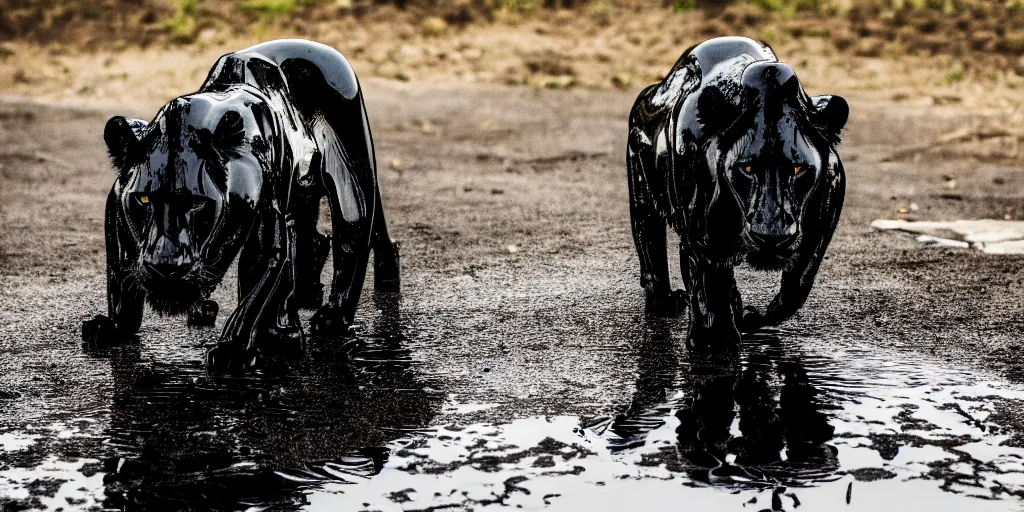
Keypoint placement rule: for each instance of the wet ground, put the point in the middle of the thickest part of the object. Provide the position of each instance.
(517, 369)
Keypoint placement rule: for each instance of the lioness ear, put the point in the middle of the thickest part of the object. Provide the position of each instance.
(833, 112)
(121, 140)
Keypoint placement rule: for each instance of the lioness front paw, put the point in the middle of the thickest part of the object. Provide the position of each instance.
(751, 319)
(387, 268)
(273, 348)
(229, 357)
(330, 321)
(669, 305)
(100, 332)
(721, 338)
(204, 315)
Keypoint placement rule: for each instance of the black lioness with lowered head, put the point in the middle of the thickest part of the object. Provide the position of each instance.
(238, 169)
(731, 152)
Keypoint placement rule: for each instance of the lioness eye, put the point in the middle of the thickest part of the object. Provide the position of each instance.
(798, 170)
(143, 199)
(748, 169)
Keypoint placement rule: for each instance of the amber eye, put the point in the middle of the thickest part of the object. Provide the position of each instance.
(797, 171)
(144, 199)
(748, 169)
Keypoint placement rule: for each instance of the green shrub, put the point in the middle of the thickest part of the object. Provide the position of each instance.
(183, 25)
(522, 5)
(791, 7)
(273, 8)
(955, 76)
(686, 5)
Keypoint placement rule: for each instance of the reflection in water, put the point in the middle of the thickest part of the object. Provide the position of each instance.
(791, 423)
(756, 423)
(181, 437)
(794, 421)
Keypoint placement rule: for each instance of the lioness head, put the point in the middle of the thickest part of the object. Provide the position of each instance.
(187, 185)
(774, 150)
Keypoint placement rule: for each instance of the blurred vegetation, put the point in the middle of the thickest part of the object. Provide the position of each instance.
(868, 28)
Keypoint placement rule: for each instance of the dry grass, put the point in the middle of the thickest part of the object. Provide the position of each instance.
(939, 51)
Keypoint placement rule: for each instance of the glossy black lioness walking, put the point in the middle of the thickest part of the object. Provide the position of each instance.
(239, 168)
(731, 152)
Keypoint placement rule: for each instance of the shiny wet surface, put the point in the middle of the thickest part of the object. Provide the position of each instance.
(366, 423)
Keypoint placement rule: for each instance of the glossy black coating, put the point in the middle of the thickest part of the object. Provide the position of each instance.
(238, 168)
(731, 152)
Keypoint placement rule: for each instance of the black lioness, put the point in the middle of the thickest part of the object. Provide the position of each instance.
(239, 168)
(731, 152)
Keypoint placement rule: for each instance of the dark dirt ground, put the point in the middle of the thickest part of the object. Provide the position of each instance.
(520, 290)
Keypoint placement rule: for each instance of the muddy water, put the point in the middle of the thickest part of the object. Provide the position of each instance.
(794, 421)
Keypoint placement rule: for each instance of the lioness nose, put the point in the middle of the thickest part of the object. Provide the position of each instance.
(772, 241)
(165, 270)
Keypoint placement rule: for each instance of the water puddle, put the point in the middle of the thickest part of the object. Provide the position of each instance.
(795, 422)
(820, 430)
(986, 235)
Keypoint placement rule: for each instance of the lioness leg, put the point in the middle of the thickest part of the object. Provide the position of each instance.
(265, 321)
(649, 238)
(351, 254)
(711, 286)
(125, 298)
(793, 291)
(351, 220)
(312, 250)
(386, 267)
(737, 306)
(350, 180)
